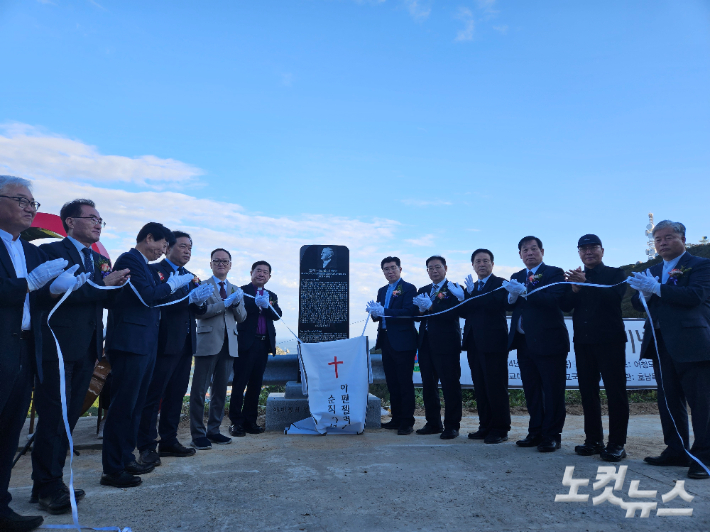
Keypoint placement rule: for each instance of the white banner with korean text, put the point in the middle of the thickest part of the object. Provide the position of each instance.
(639, 373)
(335, 376)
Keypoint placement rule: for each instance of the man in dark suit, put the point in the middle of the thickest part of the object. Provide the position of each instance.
(78, 326)
(397, 338)
(257, 338)
(131, 348)
(28, 280)
(176, 345)
(439, 350)
(677, 292)
(599, 348)
(485, 340)
(539, 334)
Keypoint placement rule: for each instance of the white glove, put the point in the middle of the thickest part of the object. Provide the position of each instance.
(455, 289)
(201, 294)
(66, 281)
(262, 301)
(44, 273)
(469, 284)
(514, 288)
(377, 310)
(645, 283)
(178, 281)
(237, 295)
(423, 302)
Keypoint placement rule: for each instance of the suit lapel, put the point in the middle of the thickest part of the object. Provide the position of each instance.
(7, 262)
(74, 254)
(149, 273)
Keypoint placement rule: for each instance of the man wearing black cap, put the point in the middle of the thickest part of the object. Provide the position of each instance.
(600, 348)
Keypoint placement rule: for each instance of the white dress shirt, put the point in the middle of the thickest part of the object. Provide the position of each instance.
(17, 256)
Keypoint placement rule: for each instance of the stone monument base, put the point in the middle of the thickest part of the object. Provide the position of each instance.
(282, 409)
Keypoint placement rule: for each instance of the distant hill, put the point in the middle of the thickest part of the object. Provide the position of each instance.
(700, 250)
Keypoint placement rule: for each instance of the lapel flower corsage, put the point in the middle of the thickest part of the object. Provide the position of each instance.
(442, 294)
(397, 291)
(534, 279)
(162, 277)
(104, 267)
(676, 273)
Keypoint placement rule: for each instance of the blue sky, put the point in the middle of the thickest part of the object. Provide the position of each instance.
(395, 126)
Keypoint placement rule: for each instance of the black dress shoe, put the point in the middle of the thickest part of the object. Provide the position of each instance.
(495, 438)
(136, 468)
(120, 480)
(176, 449)
(15, 521)
(549, 446)
(529, 441)
(78, 494)
(403, 431)
(613, 453)
(589, 448)
(56, 503)
(478, 435)
(254, 429)
(449, 434)
(237, 431)
(428, 429)
(668, 458)
(391, 425)
(697, 472)
(149, 457)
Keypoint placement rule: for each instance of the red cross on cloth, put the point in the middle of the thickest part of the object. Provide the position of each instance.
(335, 363)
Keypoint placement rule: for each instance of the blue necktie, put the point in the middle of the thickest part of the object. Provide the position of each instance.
(481, 284)
(88, 265)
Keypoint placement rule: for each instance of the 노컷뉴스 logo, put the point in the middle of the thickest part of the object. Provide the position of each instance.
(607, 474)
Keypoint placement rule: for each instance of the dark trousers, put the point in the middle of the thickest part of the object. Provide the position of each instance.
(684, 383)
(249, 369)
(447, 369)
(13, 413)
(544, 380)
(609, 362)
(51, 444)
(168, 385)
(489, 372)
(399, 369)
(131, 375)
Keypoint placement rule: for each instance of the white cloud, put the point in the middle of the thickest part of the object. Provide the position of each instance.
(501, 29)
(30, 152)
(487, 6)
(425, 203)
(418, 9)
(426, 240)
(466, 16)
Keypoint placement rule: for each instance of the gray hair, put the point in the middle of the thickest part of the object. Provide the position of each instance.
(10, 180)
(677, 227)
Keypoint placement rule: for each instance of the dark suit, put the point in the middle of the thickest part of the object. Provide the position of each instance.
(681, 317)
(542, 350)
(439, 351)
(249, 366)
(177, 342)
(78, 326)
(131, 347)
(485, 339)
(398, 342)
(600, 351)
(20, 356)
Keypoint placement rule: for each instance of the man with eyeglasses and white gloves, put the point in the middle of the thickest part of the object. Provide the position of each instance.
(29, 282)
(439, 350)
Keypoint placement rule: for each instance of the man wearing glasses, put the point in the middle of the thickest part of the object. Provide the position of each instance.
(439, 350)
(78, 326)
(28, 282)
(599, 349)
(217, 347)
(398, 340)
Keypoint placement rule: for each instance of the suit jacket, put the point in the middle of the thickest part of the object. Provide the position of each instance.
(247, 328)
(401, 332)
(211, 325)
(597, 311)
(12, 302)
(132, 326)
(486, 326)
(543, 322)
(176, 321)
(443, 332)
(682, 311)
(79, 322)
